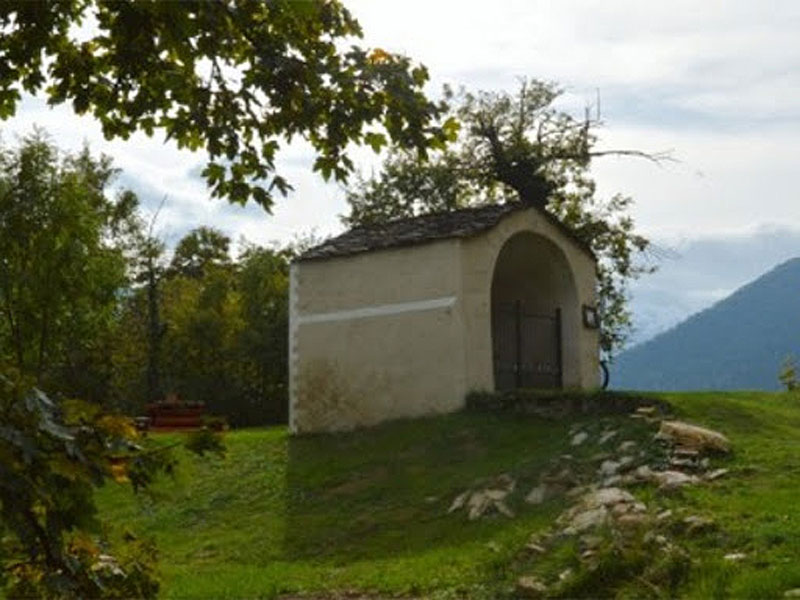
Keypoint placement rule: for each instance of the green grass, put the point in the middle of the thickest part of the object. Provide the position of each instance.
(757, 507)
(367, 511)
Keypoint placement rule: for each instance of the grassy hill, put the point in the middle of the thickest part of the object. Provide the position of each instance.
(367, 511)
(739, 343)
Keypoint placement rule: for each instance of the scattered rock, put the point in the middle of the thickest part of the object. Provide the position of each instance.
(716, 474)
(607, 497)
(686, 452)
(606, 436)
(662, 540)
(587, 519)
(496, 494)
(692, 437)
(604, 501)
(477, 504)
(625, 461)
(632, 521)
(795, 593)
(609, 467)
(538, 494)
(529, 586)
(564, 477)
(625, 508)
(735, 556)
(591, 541)
(672, 480)
(620, 509)
(695, 524)
(595, 508)
(480, 503)
(682, 463)
(459, 502)
(565, 574)
(579, 438)
(579, 490)
(502, 508)
(535, 548)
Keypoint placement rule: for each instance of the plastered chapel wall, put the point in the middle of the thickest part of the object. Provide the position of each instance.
(375, 336)
(406, 331)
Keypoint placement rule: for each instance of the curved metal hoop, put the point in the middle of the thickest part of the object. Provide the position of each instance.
(606, 376)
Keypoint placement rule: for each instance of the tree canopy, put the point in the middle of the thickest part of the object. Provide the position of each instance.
(201, 249)
(519, 147)
(235, 78)
(60, 265)
(92, 305)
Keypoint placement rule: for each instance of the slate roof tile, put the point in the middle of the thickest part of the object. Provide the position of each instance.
(424, 228)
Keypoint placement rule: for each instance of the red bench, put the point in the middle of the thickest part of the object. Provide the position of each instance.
(172, 416)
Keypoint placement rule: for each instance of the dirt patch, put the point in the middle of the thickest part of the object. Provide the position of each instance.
(359, 483)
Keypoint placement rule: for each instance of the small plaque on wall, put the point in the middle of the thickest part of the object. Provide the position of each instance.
(591, 319)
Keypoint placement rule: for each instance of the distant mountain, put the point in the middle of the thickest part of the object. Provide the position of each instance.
(738, 343)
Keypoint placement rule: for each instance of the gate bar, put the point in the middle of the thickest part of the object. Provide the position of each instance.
(518, 357)
(559, 361)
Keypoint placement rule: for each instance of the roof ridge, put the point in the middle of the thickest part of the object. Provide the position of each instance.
(516, 204)
(428, 227)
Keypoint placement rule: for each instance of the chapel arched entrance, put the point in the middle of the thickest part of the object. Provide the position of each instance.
(532, 290)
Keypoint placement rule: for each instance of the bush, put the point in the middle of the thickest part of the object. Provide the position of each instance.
(788, 374)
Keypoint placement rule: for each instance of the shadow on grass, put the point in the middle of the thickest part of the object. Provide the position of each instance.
(386, 491)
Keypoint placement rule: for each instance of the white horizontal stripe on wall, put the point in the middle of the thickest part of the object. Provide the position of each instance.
(377, 311)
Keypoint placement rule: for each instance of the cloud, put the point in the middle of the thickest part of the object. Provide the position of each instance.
(702, 270)
(716, 81)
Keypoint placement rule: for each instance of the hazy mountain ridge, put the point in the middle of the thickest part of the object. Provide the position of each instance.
(738, 343)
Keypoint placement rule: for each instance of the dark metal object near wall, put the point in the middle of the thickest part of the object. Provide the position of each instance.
(527, 348)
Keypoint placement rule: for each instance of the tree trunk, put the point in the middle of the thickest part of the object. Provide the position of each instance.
(154, 331)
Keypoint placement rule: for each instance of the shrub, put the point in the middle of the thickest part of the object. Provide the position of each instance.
(559, 403)
(788, 373)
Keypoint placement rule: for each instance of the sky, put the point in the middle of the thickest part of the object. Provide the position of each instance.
(716, 83)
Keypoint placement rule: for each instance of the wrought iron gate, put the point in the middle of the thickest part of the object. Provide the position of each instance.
(527, 348)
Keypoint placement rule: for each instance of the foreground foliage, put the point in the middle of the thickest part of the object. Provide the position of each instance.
(53, 455)
(367, 511)
(233, 78)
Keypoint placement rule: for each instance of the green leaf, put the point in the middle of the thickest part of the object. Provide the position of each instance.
(375, 140)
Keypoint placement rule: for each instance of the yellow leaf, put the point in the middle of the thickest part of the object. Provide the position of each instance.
(378, 56)
(120, 426)
(83, 544)
(119, 472)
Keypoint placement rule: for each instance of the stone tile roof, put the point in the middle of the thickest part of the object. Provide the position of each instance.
(424, 228)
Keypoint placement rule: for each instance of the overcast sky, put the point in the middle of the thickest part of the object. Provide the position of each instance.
(716, 82)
